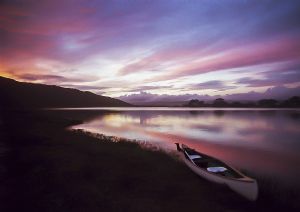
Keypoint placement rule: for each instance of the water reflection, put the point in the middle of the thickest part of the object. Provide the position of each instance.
(263, 142)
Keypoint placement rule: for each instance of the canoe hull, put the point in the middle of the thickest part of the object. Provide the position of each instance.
(245, 186)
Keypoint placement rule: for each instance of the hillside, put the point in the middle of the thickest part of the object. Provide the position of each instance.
(14, 94)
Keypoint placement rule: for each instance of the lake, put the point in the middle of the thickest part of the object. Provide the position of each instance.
(264, 142)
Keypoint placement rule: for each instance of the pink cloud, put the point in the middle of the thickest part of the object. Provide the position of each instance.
(180, 35)
(285, 49)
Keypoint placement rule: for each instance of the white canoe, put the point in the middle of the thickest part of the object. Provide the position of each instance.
(217, 171)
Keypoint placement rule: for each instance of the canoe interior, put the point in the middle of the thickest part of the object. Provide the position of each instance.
(206, 162)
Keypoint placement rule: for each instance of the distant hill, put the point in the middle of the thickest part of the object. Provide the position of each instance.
(149, 99)
(14, 94)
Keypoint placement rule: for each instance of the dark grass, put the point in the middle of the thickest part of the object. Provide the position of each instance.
(280, 196)
(53, 169)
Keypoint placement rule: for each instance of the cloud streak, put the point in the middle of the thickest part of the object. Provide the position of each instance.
(160, 45)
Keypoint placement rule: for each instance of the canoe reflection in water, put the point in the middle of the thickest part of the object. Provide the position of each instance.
(217, 171)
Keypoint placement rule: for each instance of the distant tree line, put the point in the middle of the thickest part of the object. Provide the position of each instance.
(292, 102)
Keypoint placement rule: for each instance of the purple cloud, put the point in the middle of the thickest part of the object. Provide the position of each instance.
(272, 79)
(163, 40)
(213, 84)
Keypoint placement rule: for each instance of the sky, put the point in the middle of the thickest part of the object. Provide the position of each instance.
(175, 47)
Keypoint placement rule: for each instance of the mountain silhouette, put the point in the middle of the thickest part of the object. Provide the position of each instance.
(14, 94)
(148, 99)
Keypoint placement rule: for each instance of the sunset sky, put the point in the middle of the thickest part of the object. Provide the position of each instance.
(174, 47)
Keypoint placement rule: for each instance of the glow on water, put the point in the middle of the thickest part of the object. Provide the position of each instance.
(263, 141)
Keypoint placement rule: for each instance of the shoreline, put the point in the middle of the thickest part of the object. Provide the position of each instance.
(51, 168)
(179, 108)
(116, 139)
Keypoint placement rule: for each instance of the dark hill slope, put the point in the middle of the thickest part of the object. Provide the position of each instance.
(14, 94)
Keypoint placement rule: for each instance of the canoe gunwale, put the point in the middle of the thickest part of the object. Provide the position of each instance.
(244, 178)
(245, 186)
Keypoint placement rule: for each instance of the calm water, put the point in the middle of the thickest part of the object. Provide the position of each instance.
(262, 142)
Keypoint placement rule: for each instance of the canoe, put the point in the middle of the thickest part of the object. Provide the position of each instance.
(217, 171)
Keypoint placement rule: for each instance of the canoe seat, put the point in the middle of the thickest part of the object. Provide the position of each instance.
(192, 157)
(216, 169)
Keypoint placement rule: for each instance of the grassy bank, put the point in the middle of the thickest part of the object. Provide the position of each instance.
(49, 168)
